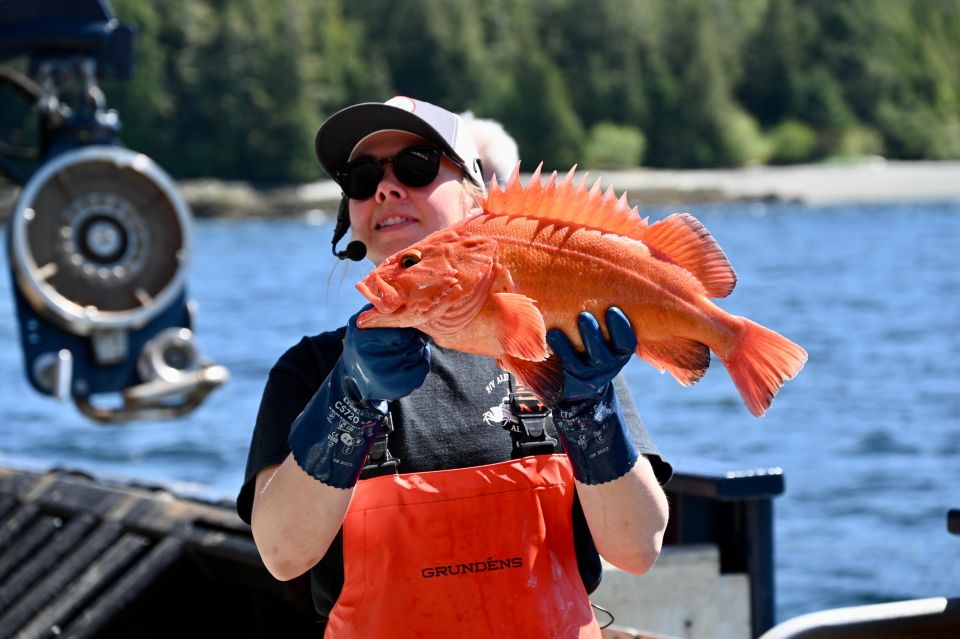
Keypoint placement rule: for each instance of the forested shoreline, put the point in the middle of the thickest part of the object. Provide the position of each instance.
(235, 89)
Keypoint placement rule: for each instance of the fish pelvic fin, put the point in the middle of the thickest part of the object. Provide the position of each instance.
(681, 239)
(760, 363)
(685, 359)
(520, 328)
(544, 379)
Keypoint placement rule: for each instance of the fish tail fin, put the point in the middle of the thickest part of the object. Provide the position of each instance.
(760, 364)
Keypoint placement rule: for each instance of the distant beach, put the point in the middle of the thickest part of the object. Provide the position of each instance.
(867, 180)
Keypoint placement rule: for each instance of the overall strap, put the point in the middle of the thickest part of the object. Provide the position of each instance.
(525, 417)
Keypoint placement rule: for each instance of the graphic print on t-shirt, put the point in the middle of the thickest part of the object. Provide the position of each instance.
(499, 387)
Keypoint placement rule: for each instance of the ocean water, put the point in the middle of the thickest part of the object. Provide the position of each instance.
(868, 435)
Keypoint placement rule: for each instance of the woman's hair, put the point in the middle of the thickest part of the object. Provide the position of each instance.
(497, 148)
(472, 195)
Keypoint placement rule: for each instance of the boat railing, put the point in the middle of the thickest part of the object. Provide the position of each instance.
(929, 618)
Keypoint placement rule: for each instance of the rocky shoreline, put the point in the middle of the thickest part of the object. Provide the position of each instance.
(869, 180)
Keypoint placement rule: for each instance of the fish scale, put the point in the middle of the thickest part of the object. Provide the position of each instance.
(587, 253)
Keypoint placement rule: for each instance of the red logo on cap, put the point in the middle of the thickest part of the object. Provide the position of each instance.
(402, 102)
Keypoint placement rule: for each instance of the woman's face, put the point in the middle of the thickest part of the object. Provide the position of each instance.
(398, 215)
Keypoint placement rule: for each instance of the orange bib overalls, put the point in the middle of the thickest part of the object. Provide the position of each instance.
(476, 552)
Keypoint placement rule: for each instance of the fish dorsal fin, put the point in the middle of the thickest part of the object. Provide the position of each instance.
(565, 203)
(682, 240)
(679, 239)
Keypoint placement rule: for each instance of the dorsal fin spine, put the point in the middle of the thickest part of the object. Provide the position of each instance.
(588, 204)
(551, 182)
(578, 203)
(494, 200)
(514, 179)
(531, 201)
(567, 203)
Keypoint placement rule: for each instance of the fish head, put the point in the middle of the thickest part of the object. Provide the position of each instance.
(425, 281)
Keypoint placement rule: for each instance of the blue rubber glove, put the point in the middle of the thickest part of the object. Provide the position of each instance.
(588, 418)
(585, 374)
(384, 363)
(332, 437)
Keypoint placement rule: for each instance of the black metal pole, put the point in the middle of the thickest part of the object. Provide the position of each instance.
(760, 558)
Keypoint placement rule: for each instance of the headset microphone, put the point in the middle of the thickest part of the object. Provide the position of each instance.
(356, 251)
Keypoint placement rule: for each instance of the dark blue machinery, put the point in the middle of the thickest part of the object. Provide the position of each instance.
(99, 237)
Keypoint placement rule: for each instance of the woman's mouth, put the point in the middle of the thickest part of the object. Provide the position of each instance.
(394, 221)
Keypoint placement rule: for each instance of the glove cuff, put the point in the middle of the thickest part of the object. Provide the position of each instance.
(595, 437)
(332, 437)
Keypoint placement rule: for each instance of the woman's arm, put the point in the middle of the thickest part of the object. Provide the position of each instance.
(622, 500)
(627, 517)
(299, 506)
(295, 518)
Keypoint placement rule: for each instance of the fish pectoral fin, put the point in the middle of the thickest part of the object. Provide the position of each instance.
(685, 359)
(520, 328)
(681, 239)
(543, 379)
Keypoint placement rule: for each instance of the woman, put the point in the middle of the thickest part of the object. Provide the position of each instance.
(474, 520)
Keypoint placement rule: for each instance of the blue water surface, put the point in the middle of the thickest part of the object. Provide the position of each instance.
(868, 435)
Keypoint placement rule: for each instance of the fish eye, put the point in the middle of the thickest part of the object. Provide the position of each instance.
(409, 259)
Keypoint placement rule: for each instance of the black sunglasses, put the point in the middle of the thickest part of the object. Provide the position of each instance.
(414, 166)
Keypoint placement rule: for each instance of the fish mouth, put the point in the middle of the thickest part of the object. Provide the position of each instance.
(385, 298)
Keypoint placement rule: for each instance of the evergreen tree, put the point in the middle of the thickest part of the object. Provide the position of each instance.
(237, 88)
(540, 116)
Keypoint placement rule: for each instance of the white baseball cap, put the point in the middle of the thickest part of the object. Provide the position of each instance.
(339, 136)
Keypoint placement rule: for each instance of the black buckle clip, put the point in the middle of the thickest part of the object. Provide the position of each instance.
(380, 461)
(525, 417)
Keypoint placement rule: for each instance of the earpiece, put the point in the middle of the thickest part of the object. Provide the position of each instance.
(356, 250)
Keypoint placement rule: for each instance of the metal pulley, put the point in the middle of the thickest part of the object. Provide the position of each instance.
(100, 240)
(99, 244)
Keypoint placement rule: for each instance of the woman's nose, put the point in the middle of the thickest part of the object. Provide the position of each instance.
(389, 186)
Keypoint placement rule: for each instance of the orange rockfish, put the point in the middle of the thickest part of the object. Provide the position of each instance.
(535, 257)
